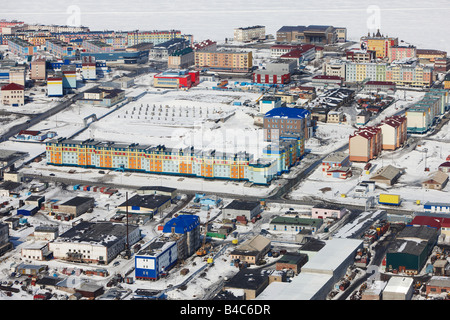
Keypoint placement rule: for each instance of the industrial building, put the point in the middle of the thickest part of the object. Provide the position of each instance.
(319, 275)
(149, 204)
(94, 242)
(248, 209)
(398, 288)
(155, 259)
(411, 248)
(176, 79)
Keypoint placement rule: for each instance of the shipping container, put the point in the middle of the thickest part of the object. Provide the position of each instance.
(389, 199)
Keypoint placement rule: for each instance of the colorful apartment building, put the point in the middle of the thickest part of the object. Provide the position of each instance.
(176, 79)
(402, 53)
(365, 144)
(17, 75)
(359, 72)
(378, 43)
(96, 46)
(89, 68)
(393, 131)
(227, 61)
(160, 159)
(410, 75)
(422, 115)
(60, 48)
(21, 47)
(156, 37)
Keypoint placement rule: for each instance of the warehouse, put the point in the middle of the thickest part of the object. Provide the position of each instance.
(248, 209)
(75, 206)
(27, 210)
(251, 282)
(149, 204)
(398, 288)
(318, 275)
(252, 250)
(92, 242)
(409, 251)
(387, 175)
(437, 207)
(155, 259)
(292, 261)
(165, 191)
(437, 181)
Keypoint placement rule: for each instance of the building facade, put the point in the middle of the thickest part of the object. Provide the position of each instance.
(365, 144)
(249, 33)
(231, 61)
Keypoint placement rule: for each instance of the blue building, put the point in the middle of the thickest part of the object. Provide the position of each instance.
(153, 261)
(437, 207)
(187, 226)
(124, 57)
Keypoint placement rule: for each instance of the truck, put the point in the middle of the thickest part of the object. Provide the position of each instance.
(389, 199)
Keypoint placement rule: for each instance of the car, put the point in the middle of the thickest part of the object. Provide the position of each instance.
(52, 174)
(115, 264)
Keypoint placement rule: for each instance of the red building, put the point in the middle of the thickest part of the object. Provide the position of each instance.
(176, 79)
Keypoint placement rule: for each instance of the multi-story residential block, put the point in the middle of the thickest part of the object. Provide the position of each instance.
(96, 46)
(393, 131)
(429, 55)
(13, 94)
(359, 72)
(55, 86)
(69, 77)
(59, 48)
(335, 68)
(38, 68)
(358, 55)
(231, 61)
(181, 59)
(89, 68)
(397, 53)
(365, 144)
(165, 49)
(156, 37)
(422, 115)
(308, 34)
(379, 43)
(176, 79)
(306, 51)
(249, 34)
(160, 159)
(283, 121)
(442, 65)
(341, 34)
(328, 81)
(206, 45)
(17, 75)
(410, 75)
(21, 47)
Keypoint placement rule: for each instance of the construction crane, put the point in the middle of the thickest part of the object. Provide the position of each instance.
(202, 250)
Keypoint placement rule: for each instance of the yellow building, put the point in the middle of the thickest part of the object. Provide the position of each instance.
(378, 43)
(224, 60)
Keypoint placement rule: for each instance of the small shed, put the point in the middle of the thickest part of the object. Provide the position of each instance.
(90, 290)
(387, 175)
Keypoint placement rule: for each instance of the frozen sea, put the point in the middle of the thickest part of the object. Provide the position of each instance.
(422, 23)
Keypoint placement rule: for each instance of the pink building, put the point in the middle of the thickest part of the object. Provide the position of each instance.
(402, 52)
(393, 131)
(321, 212)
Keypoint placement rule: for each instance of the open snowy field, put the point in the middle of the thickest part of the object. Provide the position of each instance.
(184, 118)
